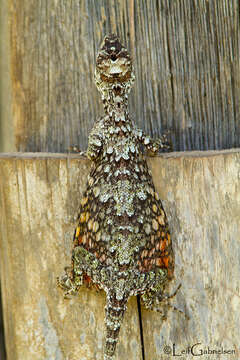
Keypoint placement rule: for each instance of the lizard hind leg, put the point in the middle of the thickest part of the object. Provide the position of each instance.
(114, 313)
(158, 301)
(69, 283)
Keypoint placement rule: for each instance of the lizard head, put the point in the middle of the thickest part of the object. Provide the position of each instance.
(114, 64)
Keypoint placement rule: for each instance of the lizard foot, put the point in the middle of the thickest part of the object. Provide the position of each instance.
(69, 284)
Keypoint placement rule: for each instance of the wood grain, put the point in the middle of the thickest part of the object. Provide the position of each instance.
(201, 194)
(40, 196)
(186, 57)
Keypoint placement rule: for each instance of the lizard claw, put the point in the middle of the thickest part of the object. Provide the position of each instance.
(76, 149)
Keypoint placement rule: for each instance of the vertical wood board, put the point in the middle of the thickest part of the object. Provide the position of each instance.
(39, 198)
(186, 58)
(201, 195)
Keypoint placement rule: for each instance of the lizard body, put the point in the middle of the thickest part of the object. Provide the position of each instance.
(122, 242)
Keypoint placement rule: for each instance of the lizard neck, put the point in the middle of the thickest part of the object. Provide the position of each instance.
(116, 105)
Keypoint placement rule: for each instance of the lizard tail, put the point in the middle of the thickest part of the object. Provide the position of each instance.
(114, 312)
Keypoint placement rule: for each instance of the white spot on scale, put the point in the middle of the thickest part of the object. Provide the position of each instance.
(110, 150)
(115, 70)
(146, 140)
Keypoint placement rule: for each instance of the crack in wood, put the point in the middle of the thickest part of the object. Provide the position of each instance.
(141, 326)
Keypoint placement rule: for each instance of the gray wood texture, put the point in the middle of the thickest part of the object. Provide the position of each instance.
(186, 57)
(39, 196)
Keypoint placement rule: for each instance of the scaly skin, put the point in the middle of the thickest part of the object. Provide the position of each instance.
(122, 242)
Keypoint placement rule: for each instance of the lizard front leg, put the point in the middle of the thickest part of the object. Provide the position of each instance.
(95, 141)
(153, 146)
(76, 149)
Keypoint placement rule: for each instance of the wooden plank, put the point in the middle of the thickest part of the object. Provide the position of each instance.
(201, 193)
(6, 124)
(186, 57)
(2, 340)
(39, 199)
(6, 117)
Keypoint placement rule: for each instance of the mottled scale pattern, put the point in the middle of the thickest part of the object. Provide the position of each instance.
(122, 242)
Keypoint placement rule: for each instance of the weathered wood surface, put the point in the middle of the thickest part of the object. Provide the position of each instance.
(201, 194)
(6, 120)
(186, 56)
(39, 197)
(6, 124)
(2, 340)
